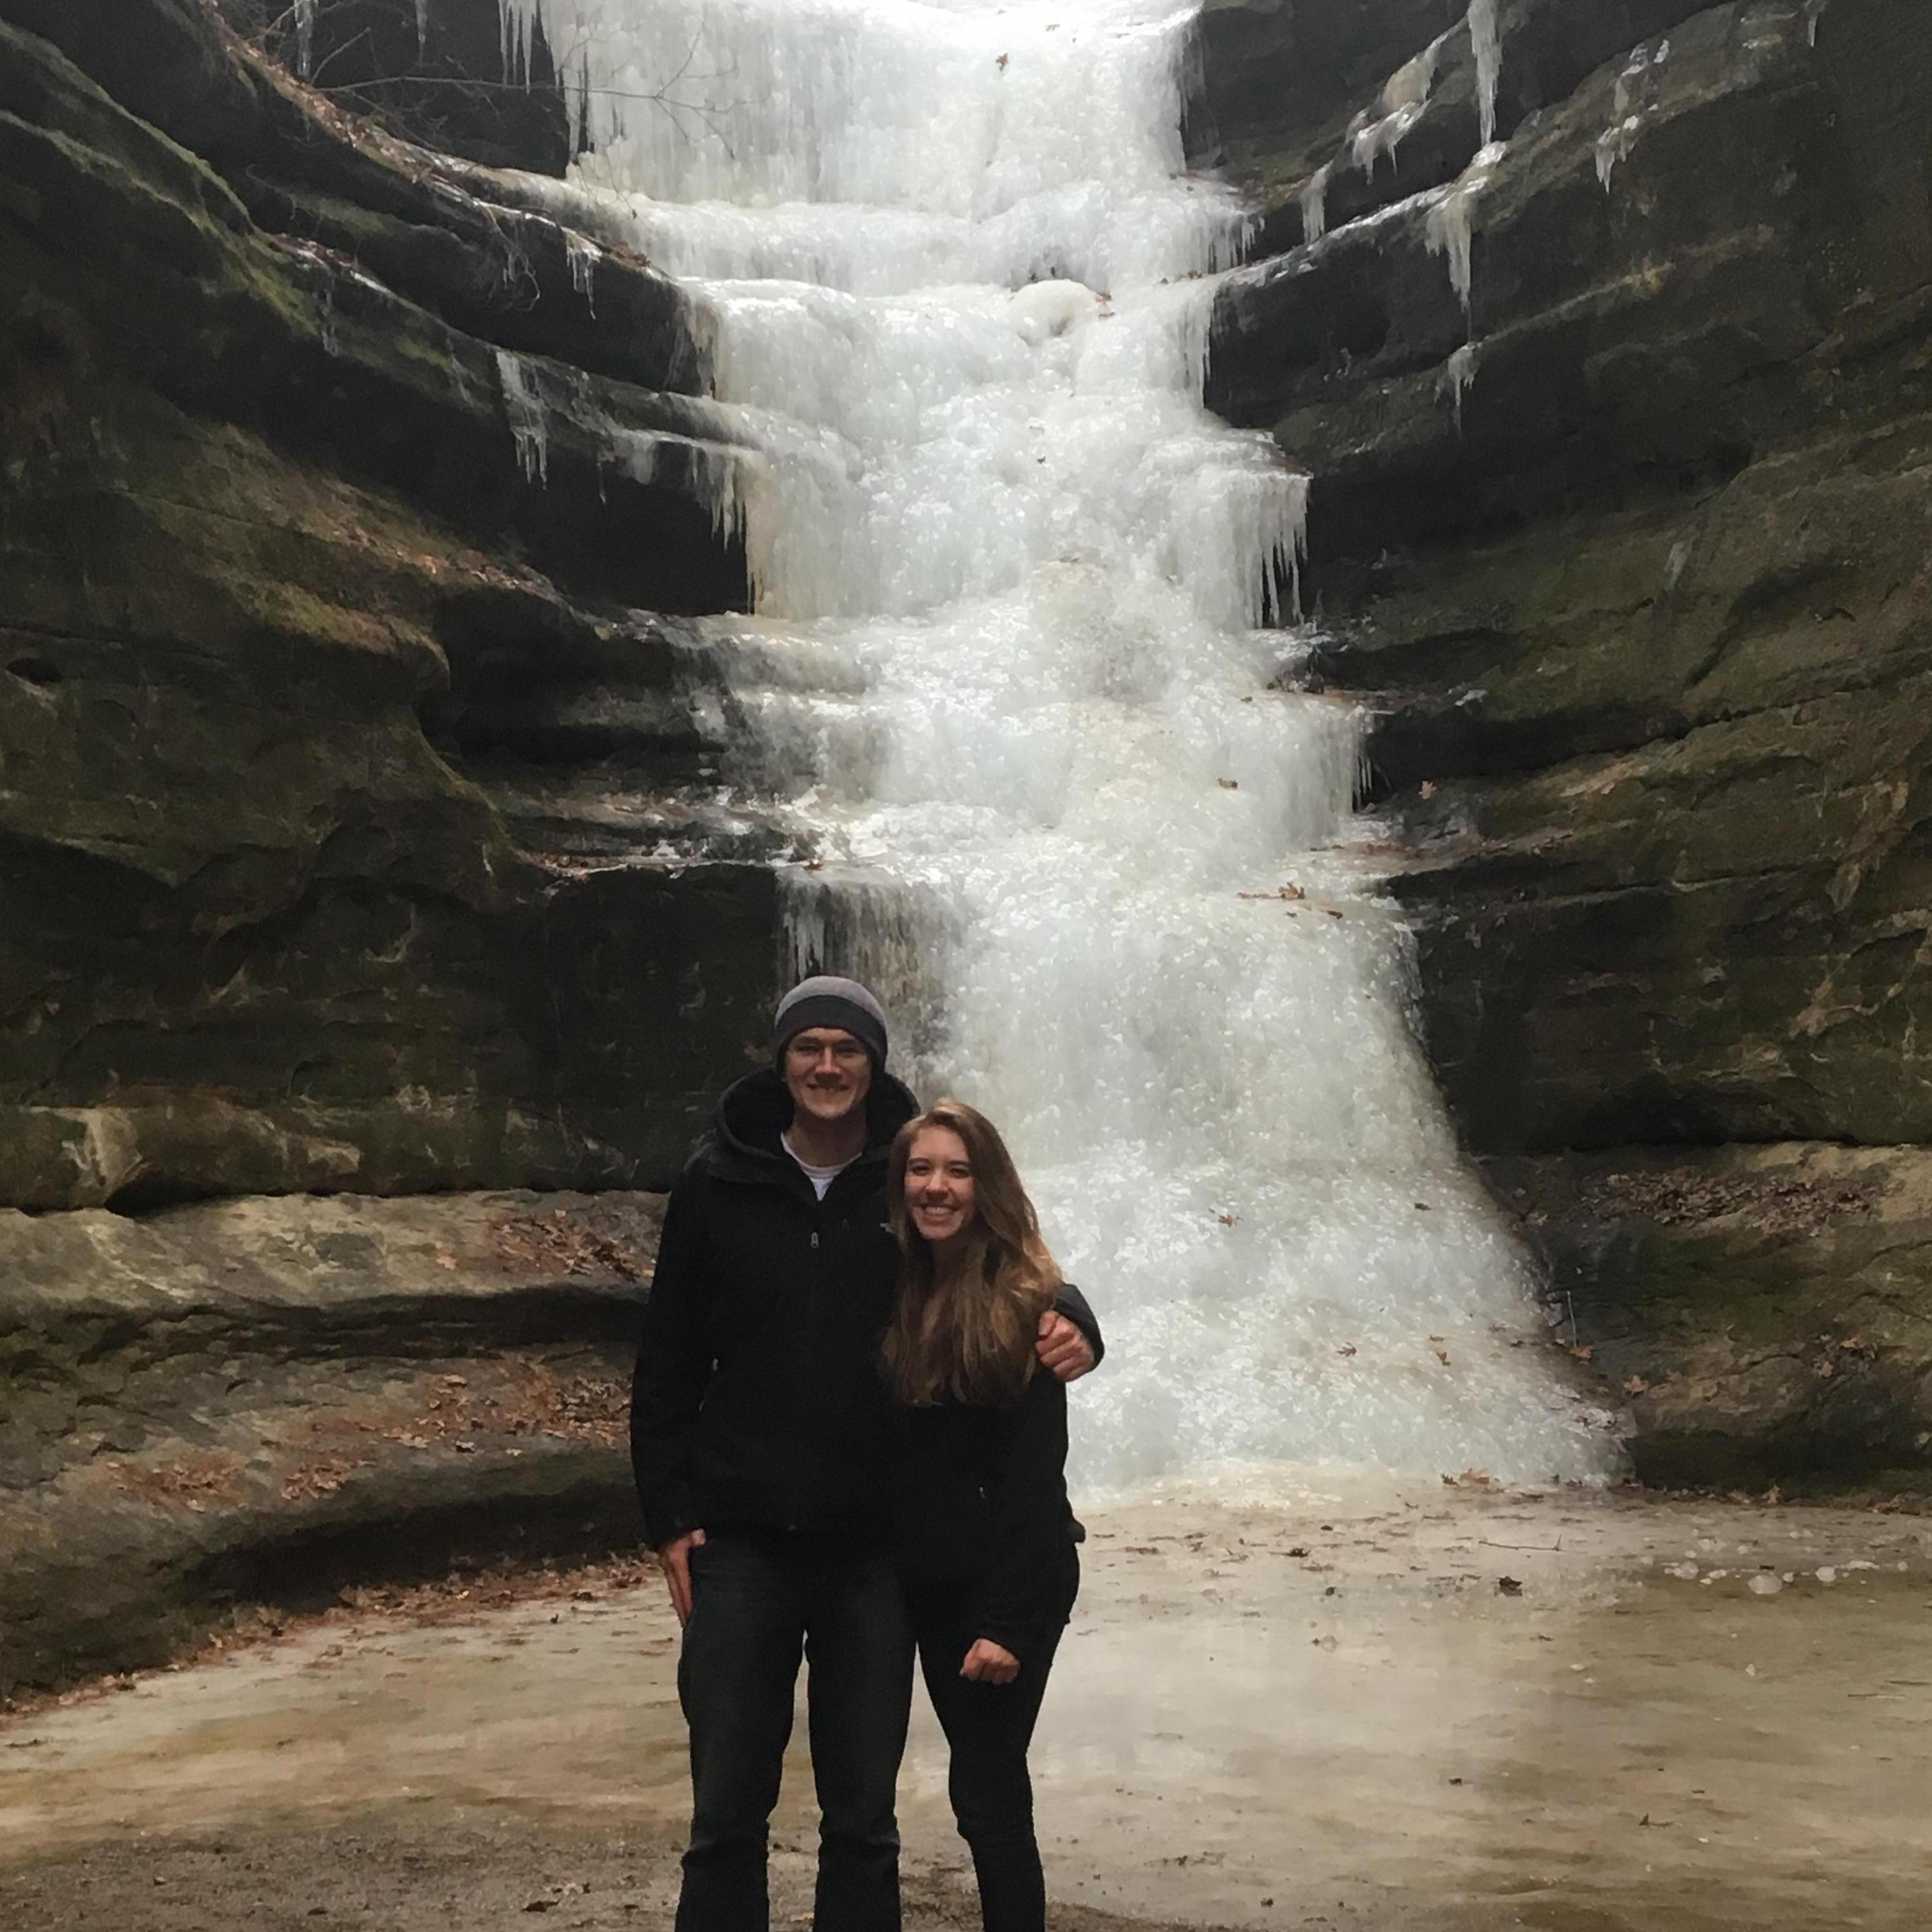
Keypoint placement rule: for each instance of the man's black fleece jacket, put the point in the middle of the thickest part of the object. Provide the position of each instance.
(757, 1402)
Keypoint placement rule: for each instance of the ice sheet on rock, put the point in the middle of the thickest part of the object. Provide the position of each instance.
(886, 102)
(1010, 681)
(1085, 232)
(950, 443)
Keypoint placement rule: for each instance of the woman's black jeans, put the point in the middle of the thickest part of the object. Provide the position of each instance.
(987, 1728)
(757, 1603)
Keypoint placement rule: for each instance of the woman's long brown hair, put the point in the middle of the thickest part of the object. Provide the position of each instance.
(975, 1342)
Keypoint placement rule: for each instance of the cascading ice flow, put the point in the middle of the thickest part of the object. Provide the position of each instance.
(1008, 675)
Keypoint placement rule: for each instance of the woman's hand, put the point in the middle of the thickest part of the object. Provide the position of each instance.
(989, 1663)
(1062, 1350)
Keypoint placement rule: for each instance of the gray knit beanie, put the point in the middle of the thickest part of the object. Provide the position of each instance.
(826, 1001)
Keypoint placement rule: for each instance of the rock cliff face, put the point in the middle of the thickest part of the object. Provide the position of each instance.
(313, 453)
(440, 74)
(350, 516)
(1620, 434)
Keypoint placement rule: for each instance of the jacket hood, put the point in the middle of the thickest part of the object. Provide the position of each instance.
(754, 1112)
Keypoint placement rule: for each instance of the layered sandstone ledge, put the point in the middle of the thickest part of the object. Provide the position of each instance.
(261, 1401)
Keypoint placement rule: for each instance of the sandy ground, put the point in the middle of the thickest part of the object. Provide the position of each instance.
(1428, 1709)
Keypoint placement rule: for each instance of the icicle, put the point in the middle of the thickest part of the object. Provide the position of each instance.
(1613, 145)
(1404, 96)
(1412, 84)
(422, 28)
(724, 477)
(1369, 144)
(1458, 373)
(1314, 205)
(304, 37)
(584, 255)
(1281, 602)
(1485, 43)
(1636, 90)
(524, 410)
(520, 21)
(1448, 230)
(1814, 12)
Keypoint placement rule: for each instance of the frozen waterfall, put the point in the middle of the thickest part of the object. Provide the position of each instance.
(1054, 789)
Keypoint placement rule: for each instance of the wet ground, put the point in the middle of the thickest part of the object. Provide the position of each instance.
(1430, 1710)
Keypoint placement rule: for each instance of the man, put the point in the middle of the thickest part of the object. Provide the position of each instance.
(758, 1433)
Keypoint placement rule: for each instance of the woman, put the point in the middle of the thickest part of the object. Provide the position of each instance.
(984, 1539)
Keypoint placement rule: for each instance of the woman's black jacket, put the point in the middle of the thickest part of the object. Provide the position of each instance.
(757, 1401)
(983, 1532)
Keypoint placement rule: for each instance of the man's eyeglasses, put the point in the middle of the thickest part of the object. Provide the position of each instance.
(808, 1052)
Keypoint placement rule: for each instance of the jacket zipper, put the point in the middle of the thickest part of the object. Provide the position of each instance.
(813, 1312)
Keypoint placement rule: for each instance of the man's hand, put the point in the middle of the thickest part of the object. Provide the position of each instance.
(675, 1558)
(1064, 1349)
(989, 1663)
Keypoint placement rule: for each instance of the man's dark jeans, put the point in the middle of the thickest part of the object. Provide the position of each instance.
(757, 1603)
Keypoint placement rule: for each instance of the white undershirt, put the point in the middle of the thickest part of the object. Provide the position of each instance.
(820, 1177)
